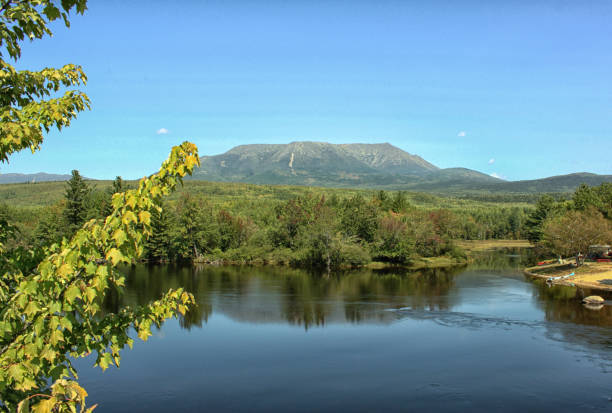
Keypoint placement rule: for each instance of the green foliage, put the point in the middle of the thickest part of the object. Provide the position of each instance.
(545, 208)
(76, 195)
(51, 227)
(567, 228)
(238, 223)
(359, 218)
(160, 246)
(574, 231)
(53, 312)
(50, 298)
(118, 185)
(598, 197)
(233, 231)
(399, 203)
(196, 228)
(394, 242)
(26, 106)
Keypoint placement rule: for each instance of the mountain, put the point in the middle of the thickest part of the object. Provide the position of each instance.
(314, 163)
(365, 165)
(381, 166)
(25, 178)
(559, 183)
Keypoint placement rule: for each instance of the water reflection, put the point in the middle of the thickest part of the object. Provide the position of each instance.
(298, 297)
(266, 294)
(482, 337)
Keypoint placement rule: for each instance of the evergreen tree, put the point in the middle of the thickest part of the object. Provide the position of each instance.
(160, 245)
(118, 185)
(76, 194)
(198, 232)
(400, 202)
(534, 223)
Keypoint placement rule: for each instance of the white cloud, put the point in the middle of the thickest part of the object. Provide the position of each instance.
(162, 131)
(491, 161)
(462, 134)
(496, 175)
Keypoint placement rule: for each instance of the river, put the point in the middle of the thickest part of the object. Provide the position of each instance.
(482, 338)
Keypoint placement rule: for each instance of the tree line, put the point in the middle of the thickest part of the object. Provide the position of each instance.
(568, 227)
(315, 230)
(305, 230)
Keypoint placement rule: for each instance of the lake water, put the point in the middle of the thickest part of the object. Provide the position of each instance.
(480, 338)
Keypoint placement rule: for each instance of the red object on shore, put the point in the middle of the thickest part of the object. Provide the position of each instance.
(604, 260)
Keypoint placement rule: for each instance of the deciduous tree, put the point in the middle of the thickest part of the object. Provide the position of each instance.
(573, 232)
(50, 303)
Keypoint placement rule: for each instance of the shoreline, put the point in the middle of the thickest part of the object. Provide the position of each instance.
(421, 263)
(469, 246)
(588, 276)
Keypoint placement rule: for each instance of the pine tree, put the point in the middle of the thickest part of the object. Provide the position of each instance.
(118, 185)
(76, 194)
(159, 246)
(544, 209)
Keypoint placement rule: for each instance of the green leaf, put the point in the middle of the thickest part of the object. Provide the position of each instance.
(56, 337)
(104, 361)
(72, 293)
(31, 308)
(24, 406)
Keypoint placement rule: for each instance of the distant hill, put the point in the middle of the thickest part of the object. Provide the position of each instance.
(25, 178)
(365, 165)
(559, 183)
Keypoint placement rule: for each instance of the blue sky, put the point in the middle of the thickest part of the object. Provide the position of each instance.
(521, 89)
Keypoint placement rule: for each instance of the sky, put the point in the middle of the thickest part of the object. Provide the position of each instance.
(515, 89)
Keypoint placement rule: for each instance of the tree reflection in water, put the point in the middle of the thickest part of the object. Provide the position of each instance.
(272, 294)
(298, 297)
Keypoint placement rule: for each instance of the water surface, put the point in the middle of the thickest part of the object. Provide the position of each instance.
(275, 339)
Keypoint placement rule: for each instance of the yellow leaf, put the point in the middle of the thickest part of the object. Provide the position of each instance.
(145, 217)
(119, 236)
(64, 270)
(114, 256)
(128, 217)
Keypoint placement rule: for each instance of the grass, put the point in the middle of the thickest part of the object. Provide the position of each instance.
(484, 245)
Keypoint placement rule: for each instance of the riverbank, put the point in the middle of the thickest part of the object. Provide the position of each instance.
(285, 258)
(491, 244)
(591, 275)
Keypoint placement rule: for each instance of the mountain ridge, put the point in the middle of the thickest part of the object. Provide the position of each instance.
(17, 178)
(379, 165)
(356, 165)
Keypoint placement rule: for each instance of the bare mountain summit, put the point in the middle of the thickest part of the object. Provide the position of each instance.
(317, 163)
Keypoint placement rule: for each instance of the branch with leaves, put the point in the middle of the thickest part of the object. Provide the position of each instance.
(56, 312)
